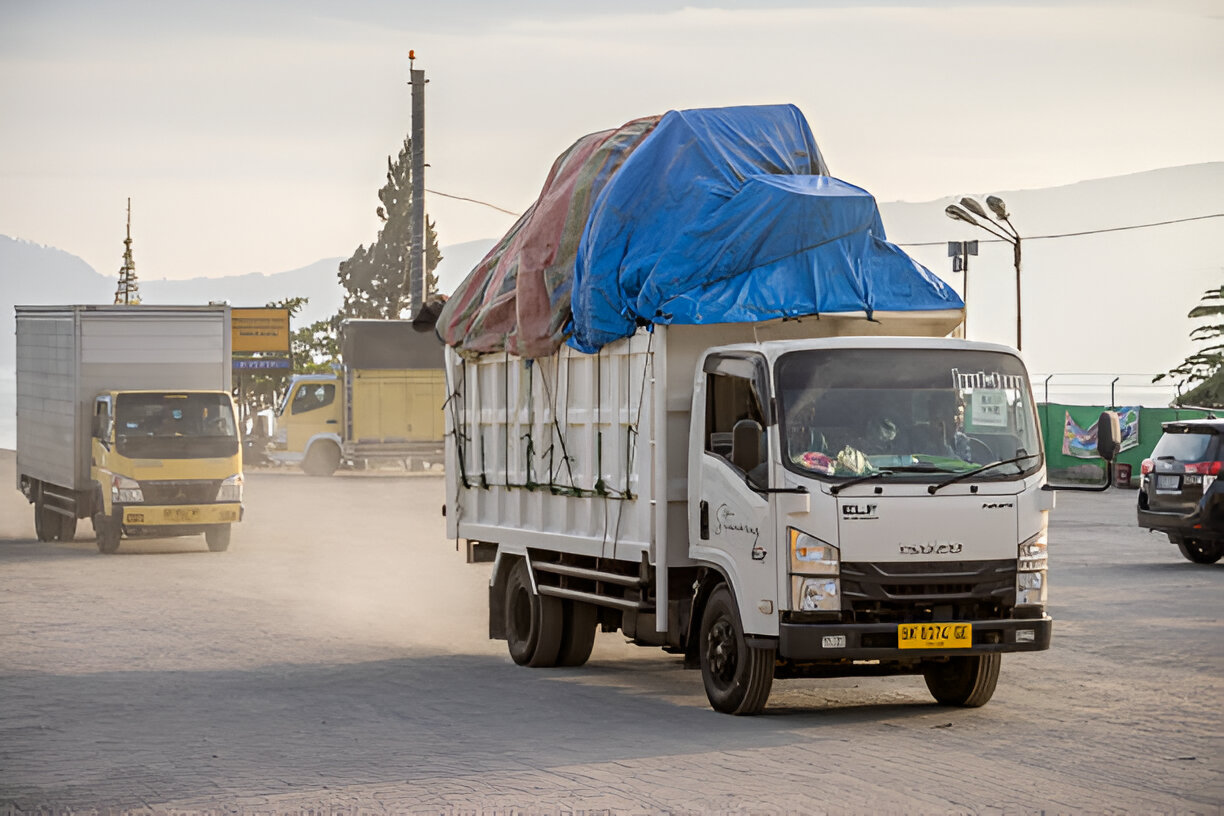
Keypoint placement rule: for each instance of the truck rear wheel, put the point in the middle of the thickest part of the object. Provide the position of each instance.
(46, 523)
(218, 538)
(963, 681)
(1200, 551)
(67, 527)
(737, 676)
(322, 459)
(534, 623)
(578, 633)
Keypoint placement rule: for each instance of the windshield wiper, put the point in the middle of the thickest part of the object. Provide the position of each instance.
(866, 477)
(962, 476)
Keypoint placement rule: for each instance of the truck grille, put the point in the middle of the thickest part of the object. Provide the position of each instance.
(195, 491)
(906, 592)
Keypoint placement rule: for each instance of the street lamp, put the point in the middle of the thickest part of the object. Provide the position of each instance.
(1001, 227)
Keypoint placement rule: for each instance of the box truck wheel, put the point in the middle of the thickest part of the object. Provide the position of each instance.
(218, 537)
(108, 533)
(322, 459)
(534, 623)
(46, 523)
(737, 676)
(963, 681)
(67, 527)
(578, 633)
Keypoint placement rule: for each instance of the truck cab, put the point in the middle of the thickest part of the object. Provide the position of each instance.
(165, 463)
(876, 503)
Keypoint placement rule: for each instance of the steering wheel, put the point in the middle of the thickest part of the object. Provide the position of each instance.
(977, 448)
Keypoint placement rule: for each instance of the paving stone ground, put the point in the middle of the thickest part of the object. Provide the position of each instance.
(335, 661)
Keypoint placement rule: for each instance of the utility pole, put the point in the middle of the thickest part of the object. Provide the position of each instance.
(128, 291)
(416, 259)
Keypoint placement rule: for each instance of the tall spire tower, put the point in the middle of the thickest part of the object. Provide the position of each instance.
(129, 290)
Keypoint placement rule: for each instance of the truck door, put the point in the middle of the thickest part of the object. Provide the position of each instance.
(731, 523)
(312, 409)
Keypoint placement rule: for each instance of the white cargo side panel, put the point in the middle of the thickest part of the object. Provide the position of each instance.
(555, 452)
(46, 397)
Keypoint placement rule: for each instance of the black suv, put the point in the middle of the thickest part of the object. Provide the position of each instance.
(1180, 495)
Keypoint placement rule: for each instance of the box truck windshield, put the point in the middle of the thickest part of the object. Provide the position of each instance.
(905, 413)
(175, 426)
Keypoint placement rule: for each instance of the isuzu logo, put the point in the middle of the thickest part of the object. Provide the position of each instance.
(932, 548)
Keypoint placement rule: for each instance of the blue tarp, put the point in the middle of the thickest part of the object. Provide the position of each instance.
(722, 215)
(727, 215)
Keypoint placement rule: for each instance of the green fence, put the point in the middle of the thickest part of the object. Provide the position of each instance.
(1064, 468)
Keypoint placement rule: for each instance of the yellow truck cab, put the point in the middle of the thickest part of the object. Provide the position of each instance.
(384, 403)
(124, 417)
(166, 464)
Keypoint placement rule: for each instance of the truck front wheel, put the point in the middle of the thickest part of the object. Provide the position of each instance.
(322, 459)
(963, 681)
(108, 532)
(534, 623)
(737, 676)
(218, 538)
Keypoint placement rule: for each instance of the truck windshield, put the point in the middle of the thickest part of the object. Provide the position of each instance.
(905, 413)
(175, 426)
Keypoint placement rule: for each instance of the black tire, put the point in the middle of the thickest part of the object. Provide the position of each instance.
(1200, 551)
(534, 623)
(67, 527)
(108, 532)
(737, 676)
(578, 633)
(218, 538)
(46, 522)
(967, 681)
(322, 459)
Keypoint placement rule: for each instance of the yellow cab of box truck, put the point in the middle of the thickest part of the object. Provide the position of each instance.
(167, 464)
(383, 404)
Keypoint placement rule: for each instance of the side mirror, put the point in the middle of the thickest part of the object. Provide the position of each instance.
(96, 427)
(1109, 436)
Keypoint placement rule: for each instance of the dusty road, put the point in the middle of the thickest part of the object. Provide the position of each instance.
(335, 661)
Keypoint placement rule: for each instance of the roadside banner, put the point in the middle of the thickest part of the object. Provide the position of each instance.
(1081, 442)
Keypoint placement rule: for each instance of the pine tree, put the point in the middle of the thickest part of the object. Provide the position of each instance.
(376, 280)
(1205, 366)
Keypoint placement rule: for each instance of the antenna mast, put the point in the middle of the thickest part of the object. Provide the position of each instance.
(128, 292)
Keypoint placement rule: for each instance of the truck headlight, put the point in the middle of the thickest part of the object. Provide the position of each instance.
(125, 490)
(1031, 588)
(230, 489)
(1033, 554)
(815, 567)
(811, 556)
(816, 593)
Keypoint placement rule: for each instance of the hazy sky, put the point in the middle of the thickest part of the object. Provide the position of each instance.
(252, 137)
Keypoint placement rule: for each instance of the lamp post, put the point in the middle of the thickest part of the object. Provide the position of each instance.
(1001, 227)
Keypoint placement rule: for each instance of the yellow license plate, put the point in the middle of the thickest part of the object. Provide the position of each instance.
(182, 514)
(934, 635)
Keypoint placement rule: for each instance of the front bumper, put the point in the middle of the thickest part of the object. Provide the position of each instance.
(878, 641)
(195, 515)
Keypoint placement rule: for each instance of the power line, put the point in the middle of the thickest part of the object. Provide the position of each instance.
(473, 200)
(1084, 232)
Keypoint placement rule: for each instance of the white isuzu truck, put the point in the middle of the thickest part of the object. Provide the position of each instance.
(771, 500)
(695, 396)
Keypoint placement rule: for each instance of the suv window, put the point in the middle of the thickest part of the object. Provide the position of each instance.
(1183, 447)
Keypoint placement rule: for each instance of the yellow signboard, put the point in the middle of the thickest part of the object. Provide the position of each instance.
(260, 330)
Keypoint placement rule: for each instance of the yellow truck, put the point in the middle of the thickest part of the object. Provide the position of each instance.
(384, 403)
(125, 417)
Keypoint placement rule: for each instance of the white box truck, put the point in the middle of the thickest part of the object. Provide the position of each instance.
(125, 417)
(786, 499)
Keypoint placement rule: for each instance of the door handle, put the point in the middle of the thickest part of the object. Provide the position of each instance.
(705, 520)
(330, 422)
